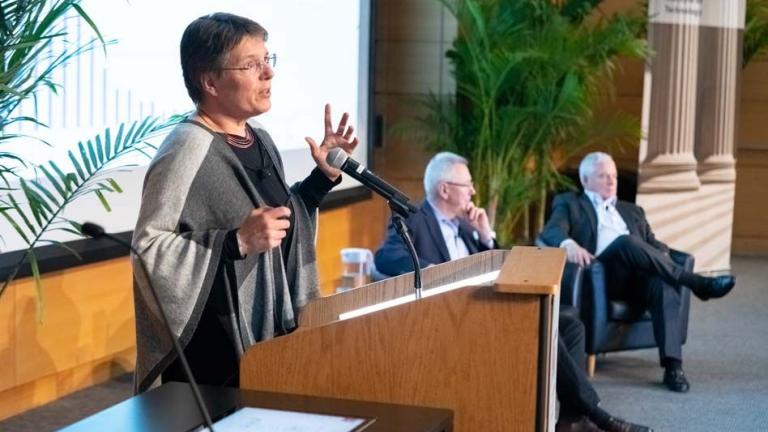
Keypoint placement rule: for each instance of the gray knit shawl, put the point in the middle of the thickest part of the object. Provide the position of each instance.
(195, 191)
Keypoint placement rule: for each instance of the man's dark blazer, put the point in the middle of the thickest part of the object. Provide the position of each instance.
(573, 216)
(392, 257)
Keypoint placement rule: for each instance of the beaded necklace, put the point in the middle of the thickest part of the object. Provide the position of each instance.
(232, 139)
(238, 141)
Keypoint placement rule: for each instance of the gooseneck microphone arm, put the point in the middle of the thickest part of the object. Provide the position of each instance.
(96, 231)
(398, 202)
(403, 231)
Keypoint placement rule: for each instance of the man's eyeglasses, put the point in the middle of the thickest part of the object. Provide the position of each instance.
(467, 185)
(257, 67)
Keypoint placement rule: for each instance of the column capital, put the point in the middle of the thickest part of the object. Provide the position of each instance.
(668, 172)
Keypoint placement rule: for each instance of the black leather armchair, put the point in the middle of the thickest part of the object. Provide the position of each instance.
(614, 325)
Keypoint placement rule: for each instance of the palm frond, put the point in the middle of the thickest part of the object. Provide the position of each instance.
(48, 195)
(27, 30)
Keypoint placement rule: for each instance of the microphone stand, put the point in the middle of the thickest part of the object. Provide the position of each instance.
(399, 221)
(176, 345)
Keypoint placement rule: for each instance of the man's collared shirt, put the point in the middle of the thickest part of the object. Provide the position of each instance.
(610, 224)
(450, 229)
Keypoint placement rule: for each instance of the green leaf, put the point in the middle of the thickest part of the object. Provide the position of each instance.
(99, 150)
(84, 158)
(95, 161)
(20, 119)
(119, 137)
(103, 200)
(22, 215)
(69, 179)
(33, 196)
(76, 165)
(129, 135)
(104, 187)
(5, 88)
(114, 185)
(55, 182)
(150, 145)
(38, 284)
(14, 224)
(107, 144)
(45, 192)
(144, 152)
(76, 226)
(36, 203)
(90, 22)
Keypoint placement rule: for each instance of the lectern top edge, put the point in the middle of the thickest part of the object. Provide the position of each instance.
(531, 270)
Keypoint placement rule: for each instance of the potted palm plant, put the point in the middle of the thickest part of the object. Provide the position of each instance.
(530, 76)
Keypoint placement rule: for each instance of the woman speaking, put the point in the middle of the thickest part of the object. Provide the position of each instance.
(229, 246)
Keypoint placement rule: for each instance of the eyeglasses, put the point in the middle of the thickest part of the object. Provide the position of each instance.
(257, 67)
(469, 184)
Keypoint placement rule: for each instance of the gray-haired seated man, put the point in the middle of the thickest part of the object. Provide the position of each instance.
(595, 225)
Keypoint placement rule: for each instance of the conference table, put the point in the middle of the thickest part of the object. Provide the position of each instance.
(171, 407)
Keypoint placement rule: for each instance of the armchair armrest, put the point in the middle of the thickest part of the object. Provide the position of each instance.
(594, 308)
(570, 285)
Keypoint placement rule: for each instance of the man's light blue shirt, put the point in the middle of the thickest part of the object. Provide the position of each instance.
(450, 229)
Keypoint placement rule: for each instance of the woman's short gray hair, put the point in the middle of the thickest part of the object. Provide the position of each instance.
(587, 165)
(438, 170)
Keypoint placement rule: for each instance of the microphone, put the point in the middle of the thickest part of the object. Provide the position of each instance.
(97, 231)
(339, 159)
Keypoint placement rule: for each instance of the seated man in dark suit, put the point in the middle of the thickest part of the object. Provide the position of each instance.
(449, 226)
(595, 225)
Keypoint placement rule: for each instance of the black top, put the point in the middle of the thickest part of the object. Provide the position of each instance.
(263, 174)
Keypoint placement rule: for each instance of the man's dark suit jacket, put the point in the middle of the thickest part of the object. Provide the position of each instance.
(573, 216)
(392, 258)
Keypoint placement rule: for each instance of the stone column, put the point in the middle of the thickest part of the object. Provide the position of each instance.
(696, 219)
(720, 38)
(667, 161)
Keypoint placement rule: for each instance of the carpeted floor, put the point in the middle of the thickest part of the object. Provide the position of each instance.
(726, 360)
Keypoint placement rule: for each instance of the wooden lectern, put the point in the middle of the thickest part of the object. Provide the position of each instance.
(484, 350)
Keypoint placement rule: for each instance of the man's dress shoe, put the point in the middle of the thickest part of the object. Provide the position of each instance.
(720, 286)
(674, 379)
(580, 424)
(615, 424)
(715, 287)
